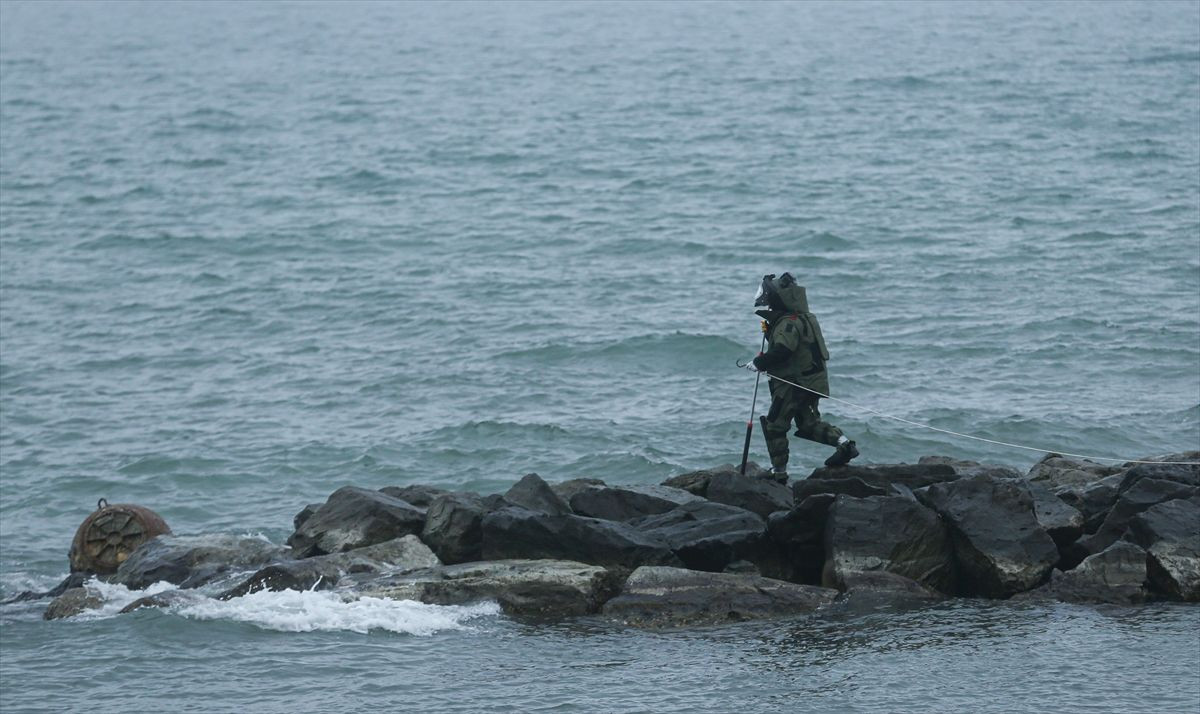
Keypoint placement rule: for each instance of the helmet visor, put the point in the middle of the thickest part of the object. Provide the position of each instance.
(763, 297)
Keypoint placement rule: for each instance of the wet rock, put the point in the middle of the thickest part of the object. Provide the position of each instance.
(999, 546)
(1057, 472)
(566, 489)
(626, 502)
(1141, 494)
(539, 588)
(454, 526)
(709, 536)
(417, 495)
(887, 533)
(758, 495)
(74, 580)
(1062, 522)
(305, 513)
(519, 533)
(1170, 532)
(1183, 474)
(876, 588)
(323, 572)
(970, 468)
(72, 602)
(913, 476)
(800, 532)
(193, 561)
(534, 494)
(169, 598)
(663, 597)
(696, 482)
(1117, 575)
(856, 487)
(1093, 500)
(355, 518)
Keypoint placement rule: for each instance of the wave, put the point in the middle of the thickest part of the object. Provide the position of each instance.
(1167, 57)
(646, 350)
(299, 611)
(1127, 155)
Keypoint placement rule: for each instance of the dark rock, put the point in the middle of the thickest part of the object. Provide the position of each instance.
(1183, 474)
(325, 571)
(519, 533)
(537, 588)
(658, 597)
(999, 546)
(742, 567)
(803, 524)
(876, 588)
(887, 533)
(355, 518)
(758, 495)
(1170, 532)
(709, 536)
(169, 598)
(74, 580)
(193, 561)
(72, 602)
(885, 475)
(1117, 575)
(566, 489)
(1059, 471)
(971, 468)
(1062, 522)
(696, 482)
(1093, 500)
(534, 494)
(416, 495)
(856, 487)
(454, 527)
(800, 532)
(626, 502)
(307, 512)
(1142, 494)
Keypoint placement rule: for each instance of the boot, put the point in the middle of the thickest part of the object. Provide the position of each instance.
(842, 456)
(779, 476)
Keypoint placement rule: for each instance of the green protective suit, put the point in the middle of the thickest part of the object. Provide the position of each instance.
(801, 360)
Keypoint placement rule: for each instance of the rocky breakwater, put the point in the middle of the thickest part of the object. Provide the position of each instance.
(715, 546)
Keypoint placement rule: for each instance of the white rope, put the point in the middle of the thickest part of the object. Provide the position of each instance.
(977, 438)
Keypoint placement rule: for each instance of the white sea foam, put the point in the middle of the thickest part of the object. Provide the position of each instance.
(300, 611)
(307, 611)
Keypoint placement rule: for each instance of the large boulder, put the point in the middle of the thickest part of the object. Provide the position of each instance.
(999, 546)
(193, 561)
(323, 572)
(658, 596)
(72, 602)
(534, 494)
(805, 487)
(1061, 521)
(305, 513)
(1170, 532)
(1092, 499)
(1117, 575)
(869, 590)
(355, 518)
(800, 532)
(970, 468)
(911, 476)
(1057, 471)
(709, 536)
(1187, 474)
(696, 482)
(758, 495)
(417, 495)
(566, 489)
(622, 503)
(1139, 495)
(538, 588)
(519, 533)
(887, 533)
(454, 525)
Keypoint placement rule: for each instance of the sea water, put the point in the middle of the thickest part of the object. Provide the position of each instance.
(253, 252)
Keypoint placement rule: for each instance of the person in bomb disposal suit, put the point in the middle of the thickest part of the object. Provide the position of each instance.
(796, 352)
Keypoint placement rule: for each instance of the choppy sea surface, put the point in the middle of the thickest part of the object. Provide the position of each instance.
(252, 252)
